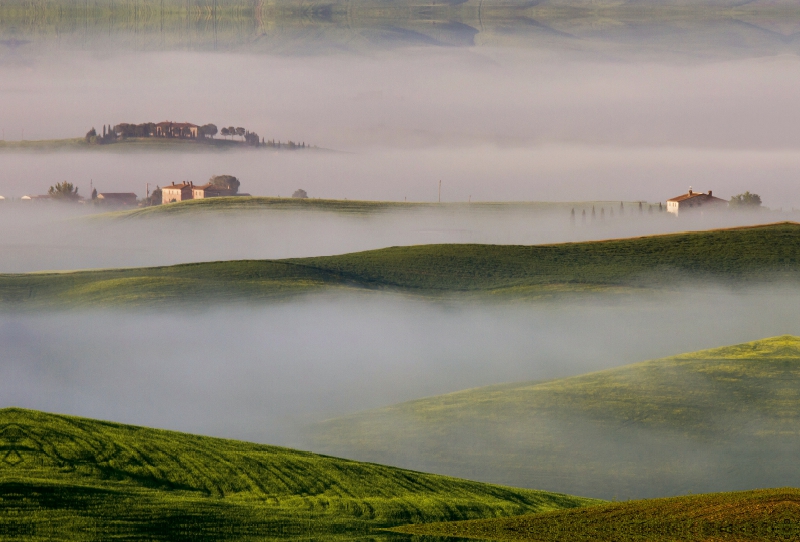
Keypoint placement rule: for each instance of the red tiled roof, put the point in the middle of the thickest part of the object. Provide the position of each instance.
(178, 186)
(704, 197)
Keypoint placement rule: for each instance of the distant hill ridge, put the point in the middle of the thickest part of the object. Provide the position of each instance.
(755, 255)
(723, 419)
(75, 473)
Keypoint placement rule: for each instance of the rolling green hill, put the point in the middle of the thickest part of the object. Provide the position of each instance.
(725, 419)
(240, 204)
(742, 256)
(772, 514)
(74, 478)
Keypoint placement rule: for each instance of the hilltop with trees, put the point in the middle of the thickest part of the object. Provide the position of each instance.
(183, 131)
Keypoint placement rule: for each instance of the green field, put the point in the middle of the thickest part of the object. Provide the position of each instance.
(76, 478)
(736, 257)
(769, 514)
(725, 419)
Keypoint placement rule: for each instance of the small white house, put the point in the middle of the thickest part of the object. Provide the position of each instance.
(693, 201)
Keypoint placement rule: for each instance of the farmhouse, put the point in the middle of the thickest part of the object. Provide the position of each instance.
(211, 191)
(693, 201)
(176, 192)
(117, 198)
(184, 130)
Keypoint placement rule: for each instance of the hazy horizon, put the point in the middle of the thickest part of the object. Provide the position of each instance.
(492, 124)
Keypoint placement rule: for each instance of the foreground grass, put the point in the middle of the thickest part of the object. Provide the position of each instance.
(715, 420)
(754, 255)
(73, 477)
(770, 514)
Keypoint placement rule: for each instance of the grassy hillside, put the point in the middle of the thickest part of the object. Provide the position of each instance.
(740, 256)
(716, 420)
(240, 204)
(77, 478)
(770, 514)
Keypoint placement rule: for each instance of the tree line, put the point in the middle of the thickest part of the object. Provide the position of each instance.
(123, 130)
(112, 134)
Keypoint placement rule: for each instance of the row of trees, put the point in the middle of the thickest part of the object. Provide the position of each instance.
(650, 209)
(740, 201)
(111, 134)
(288, 145)
(148, 129)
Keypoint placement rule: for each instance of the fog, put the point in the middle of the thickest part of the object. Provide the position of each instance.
(576, 454)
(42, 237)
(262, 374)
(417, 97)
(493, 124)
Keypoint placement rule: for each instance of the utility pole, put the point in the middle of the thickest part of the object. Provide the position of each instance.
(440, 191)
(147, 190)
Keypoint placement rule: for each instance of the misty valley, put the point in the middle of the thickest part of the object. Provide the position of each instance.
(486, 269)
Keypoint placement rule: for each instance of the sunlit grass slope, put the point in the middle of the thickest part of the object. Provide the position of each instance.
(74, 474)
(716, 420)
(771, 514)
(751, 255)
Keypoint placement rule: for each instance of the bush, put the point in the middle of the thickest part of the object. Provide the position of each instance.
(745, 201)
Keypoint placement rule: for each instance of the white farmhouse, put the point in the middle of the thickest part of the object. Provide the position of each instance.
(695, 201)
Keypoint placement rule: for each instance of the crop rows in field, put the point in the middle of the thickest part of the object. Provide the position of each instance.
(79, 475)
(772, 514)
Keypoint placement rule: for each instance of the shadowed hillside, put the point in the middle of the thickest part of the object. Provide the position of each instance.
(757, 254)
(771, 514)
(716, 420)
(77, 477)
(735, 257)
